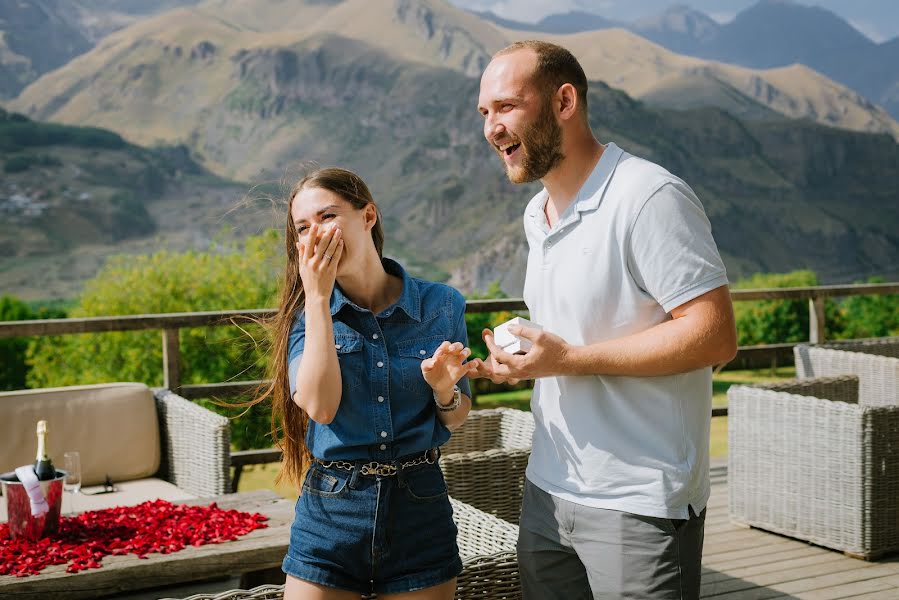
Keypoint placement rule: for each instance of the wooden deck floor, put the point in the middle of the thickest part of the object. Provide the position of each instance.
(750, 564)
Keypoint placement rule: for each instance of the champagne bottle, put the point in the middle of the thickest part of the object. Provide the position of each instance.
(43, 466)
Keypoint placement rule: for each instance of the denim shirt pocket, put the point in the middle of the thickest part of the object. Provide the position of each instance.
(348, 344)
(411, 353)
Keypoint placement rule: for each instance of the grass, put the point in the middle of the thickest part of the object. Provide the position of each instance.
(263, 476)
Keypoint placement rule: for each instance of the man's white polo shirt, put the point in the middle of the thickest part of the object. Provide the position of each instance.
(634, 245)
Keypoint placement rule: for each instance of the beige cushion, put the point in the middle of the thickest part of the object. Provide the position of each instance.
(112, 425)
(128, 493)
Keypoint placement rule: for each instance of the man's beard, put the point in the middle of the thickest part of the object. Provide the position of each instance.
(541, 142)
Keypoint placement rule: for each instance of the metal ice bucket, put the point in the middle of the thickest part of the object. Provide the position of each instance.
(18, 506)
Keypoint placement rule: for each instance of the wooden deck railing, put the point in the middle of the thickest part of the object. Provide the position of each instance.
(171, 323)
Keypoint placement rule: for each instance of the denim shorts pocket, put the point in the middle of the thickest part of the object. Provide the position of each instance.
(319, 483)
(348, 344)
(411, 353)
(425, 484)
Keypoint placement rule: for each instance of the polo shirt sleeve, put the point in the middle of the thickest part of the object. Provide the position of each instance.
(671, 253)
(460, 334)
(296, 342)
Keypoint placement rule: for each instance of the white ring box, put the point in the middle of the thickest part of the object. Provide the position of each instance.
(512, 343)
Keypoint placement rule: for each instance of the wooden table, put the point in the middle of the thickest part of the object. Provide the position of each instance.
(258, 551)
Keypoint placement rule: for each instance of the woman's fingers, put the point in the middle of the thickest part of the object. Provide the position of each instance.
(332, 238)
(309, 244)
(338, 252)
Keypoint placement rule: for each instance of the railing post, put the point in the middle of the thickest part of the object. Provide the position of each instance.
(816, 320)
(171, 360)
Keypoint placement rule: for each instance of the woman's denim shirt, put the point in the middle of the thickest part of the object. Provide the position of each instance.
(386, 409)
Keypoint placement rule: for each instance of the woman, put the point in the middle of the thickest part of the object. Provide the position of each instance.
(369, 379)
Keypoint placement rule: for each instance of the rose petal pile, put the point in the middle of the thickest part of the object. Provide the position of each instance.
(156, 526)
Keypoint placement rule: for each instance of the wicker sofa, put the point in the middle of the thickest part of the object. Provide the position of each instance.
(875, 361)
(150, 443)
(485, 460)
(815, 460)
(489, 565)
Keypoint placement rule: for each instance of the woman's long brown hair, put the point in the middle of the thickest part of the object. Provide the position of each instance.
(290, 437)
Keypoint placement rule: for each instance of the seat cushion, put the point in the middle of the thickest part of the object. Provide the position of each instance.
(113, 426)
(128, 493)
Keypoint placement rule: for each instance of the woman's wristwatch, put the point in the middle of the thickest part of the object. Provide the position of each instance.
(457, 400)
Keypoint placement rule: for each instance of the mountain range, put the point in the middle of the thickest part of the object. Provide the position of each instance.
(768, 34)
(252, 90)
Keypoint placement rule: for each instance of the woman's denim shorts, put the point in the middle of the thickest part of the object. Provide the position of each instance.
(373, 534)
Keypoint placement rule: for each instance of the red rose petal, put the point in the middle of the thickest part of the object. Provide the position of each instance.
(156, 526)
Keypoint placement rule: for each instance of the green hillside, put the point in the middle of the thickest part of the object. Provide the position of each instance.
(70, 196)
(781, 194)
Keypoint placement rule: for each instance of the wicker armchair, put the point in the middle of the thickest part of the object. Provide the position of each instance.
(485, 460)
(195, 445)
(489, 564)
(876, 362)
(807, 459)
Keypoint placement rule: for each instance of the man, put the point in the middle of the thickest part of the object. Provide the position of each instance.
(627, 283)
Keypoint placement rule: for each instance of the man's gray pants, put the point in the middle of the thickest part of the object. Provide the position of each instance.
(568, 551)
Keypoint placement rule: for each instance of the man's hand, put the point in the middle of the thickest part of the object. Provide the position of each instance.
(546, 357)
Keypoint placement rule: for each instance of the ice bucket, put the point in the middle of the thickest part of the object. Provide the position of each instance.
(18, 506)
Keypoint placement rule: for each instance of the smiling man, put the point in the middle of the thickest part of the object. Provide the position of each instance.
(626, 280)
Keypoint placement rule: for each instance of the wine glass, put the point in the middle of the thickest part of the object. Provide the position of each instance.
(72, 482)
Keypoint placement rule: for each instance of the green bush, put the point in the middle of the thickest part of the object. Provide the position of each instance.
(778, 321)
(13, 366)
(869, 316)
(228, 277)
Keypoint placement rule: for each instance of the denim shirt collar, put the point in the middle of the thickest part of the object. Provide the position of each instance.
(409, 301)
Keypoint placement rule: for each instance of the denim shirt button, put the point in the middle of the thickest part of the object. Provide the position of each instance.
(422, 352)
(380, 364)
(380, 398)
(374, 336)
(383, 434)
(383, 446)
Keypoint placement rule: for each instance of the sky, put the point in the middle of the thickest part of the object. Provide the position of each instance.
(878, 19)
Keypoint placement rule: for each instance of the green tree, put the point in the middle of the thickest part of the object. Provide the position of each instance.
(12, 350)
(778, 321)
(869, 316)
(477, 322)
(223, 278)
(13, 365)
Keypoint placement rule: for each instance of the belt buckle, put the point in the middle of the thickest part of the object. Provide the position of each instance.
(375, 468)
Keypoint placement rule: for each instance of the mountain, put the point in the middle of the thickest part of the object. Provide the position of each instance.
(252, 105)
(427, 32)
(570, 22)
(679, 29)
(769, 34)
(71, 196)
(37, 36)
(813, 36)
(650, 72)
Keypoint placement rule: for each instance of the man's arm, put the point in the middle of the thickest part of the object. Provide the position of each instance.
(701, 333)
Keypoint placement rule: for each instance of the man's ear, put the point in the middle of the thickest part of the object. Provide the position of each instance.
(567, 101)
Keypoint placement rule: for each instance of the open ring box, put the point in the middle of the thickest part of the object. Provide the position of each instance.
(512, 343)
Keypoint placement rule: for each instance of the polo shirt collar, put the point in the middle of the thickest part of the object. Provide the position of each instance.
(590, 194)
(409, 301)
